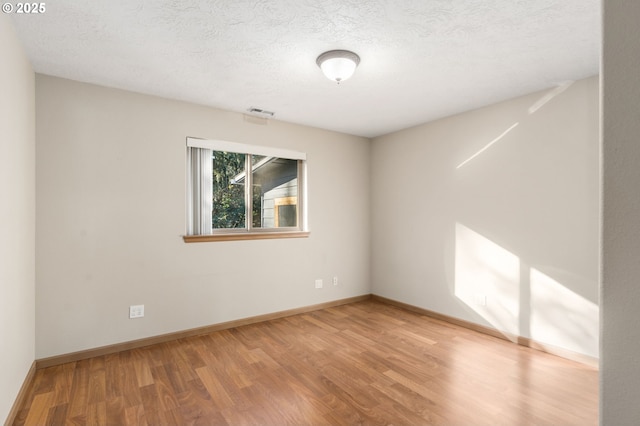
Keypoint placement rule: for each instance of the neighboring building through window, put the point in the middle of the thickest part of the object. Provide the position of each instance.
(237, 188)
(285, 211)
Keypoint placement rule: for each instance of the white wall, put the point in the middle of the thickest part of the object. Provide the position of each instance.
(492, 216)
(619, 366)
(111, 213)
(17, 216)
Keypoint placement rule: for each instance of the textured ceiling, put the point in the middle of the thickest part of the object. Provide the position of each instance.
(420, 59)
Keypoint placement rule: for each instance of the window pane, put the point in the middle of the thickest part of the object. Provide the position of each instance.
(229, 177)
(286, 215)
(275, 185)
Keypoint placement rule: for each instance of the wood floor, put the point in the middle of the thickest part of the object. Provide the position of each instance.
(362, 363)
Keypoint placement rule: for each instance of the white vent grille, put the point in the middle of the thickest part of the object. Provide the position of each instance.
(259, 112)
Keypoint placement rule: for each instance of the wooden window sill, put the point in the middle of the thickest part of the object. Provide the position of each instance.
(244, 236)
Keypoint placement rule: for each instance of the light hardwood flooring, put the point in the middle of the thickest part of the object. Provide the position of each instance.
(362, 363)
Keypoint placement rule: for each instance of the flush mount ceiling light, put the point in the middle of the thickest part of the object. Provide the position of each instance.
(338, 65)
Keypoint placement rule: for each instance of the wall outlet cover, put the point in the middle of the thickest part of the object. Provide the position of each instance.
(136, 311)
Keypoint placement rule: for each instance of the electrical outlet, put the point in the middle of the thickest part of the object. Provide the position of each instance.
(136, 311)
(335, 280)
(318, 283)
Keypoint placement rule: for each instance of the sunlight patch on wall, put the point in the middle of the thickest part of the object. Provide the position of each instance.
(487, 279)
(494, 283)
(550, 95)
(487, 146)
(561, 317)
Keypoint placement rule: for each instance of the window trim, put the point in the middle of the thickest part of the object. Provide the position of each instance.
(242, 148)
(240, 236)
(250, 233)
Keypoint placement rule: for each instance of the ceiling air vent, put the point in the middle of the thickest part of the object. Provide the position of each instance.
(258, 112)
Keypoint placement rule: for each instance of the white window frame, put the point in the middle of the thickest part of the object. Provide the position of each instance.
(199, 192)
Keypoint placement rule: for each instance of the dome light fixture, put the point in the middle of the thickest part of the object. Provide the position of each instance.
(338, 65)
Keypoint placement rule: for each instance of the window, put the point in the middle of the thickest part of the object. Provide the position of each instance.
(238, 191)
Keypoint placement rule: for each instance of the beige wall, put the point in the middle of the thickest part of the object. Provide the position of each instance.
(619, 365)
(17, 216)
(111, 212)
(492, 216)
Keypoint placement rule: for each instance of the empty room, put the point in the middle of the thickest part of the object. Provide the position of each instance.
(334, 212)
